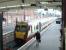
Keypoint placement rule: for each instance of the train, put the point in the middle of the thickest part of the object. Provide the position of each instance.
(21, 32)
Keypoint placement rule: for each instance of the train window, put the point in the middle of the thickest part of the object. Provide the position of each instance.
(22, 29)
(17, 28)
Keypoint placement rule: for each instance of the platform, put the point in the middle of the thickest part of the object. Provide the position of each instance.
(50, 39)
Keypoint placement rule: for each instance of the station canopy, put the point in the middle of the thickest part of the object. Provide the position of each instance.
(8, 4)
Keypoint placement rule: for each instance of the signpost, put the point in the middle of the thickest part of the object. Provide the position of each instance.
(1, 33)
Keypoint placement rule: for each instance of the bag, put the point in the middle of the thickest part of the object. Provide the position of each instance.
(39, 40)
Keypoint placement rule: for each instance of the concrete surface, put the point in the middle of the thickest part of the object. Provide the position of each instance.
(50, 39)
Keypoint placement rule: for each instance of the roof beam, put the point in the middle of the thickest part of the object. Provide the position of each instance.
(6, 1)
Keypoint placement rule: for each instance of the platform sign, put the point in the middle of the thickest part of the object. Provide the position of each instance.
(1, 31)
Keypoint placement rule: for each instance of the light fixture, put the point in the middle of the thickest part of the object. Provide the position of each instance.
(44, 3)
(2, 7)
(14, 6)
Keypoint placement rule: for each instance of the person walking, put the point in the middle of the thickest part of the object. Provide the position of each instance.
(38, 38)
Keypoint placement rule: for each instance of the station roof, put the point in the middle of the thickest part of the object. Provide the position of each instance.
(8, 4)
